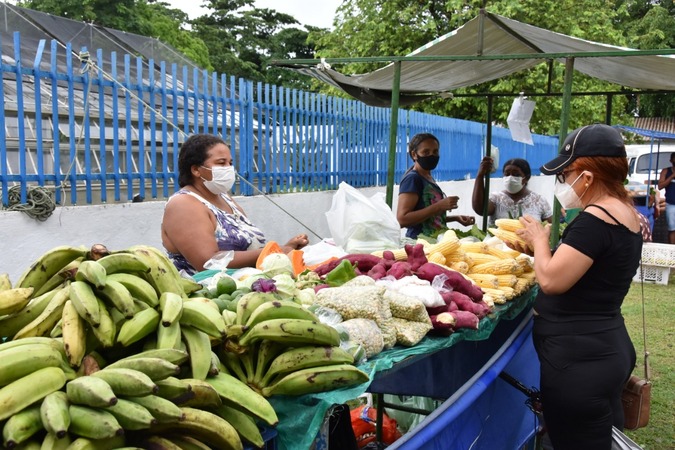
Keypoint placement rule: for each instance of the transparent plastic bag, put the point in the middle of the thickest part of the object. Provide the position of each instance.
(220, 260)
(365, 332)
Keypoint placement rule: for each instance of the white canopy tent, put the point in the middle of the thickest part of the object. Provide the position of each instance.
(486, 48)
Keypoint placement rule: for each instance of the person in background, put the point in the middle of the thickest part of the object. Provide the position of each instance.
(201, 219)
(422, 205)
(516, 199)
(579, 334)
(667, 182)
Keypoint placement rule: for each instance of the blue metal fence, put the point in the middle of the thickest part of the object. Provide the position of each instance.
(100, 127)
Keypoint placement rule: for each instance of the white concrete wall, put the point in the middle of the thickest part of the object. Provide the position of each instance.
(23, 239)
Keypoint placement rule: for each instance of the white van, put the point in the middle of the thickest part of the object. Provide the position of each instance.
(645, 162)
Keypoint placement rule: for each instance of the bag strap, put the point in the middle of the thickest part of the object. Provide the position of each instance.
(644, 322)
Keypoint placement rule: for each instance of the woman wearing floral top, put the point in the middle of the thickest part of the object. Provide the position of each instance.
(516, 200)
(422, 205)
(201, 219)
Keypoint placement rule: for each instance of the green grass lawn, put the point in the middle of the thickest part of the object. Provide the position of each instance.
(660, 325)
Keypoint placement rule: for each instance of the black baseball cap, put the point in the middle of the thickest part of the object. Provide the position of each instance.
(591, 140)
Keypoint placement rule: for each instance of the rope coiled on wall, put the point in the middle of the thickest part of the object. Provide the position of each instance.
(39, 202)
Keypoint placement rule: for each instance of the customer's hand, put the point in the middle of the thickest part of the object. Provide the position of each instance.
(467, 221)
(534, 232)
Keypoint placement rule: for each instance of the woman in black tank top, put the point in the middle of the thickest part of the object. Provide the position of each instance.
(584, 349)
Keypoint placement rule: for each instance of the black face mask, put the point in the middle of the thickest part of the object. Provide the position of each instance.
(428, 162)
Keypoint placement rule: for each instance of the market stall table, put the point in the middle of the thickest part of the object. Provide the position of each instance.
(436, 367)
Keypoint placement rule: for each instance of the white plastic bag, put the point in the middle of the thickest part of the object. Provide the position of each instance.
(360, 224)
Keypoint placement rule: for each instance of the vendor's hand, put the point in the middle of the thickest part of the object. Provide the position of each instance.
(448, 203)
(533, 232)
(297, 242)
(485, 166)
(467, 221)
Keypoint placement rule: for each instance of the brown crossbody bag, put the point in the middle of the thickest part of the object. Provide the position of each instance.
(637, 393)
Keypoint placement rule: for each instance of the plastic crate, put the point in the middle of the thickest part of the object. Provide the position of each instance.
(269, 436)
(662, 255)
(653, 274)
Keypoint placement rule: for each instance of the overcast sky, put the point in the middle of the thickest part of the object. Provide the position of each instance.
(318, 13)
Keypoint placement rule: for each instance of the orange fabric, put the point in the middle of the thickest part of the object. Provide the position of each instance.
(363, 423)
(268, 249)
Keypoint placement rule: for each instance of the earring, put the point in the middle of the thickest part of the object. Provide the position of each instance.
(586, 185)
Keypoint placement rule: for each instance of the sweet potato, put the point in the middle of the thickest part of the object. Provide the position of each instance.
(464, 303)
(416, 256)
(378, 271)
(400, 269)
(449, 307)
(465, 319)
(443, 324)
(454, 280)
(363, 261)
(388, 255)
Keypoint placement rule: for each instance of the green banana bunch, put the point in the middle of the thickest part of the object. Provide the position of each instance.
(173, 355)
(123, 262)
(85, 301)
(139, 326)
(117, 296)
(22, 426)
(171, 306)
(12, 323)
(53, 442)
(73, 330)
(54, 413)
(163, 410)
(155, 368)
(131, 415)
(250, 302)
(48, 264)
(291, 331)
(93, 423)
(18, 361)
(172, 387)
(163, 275)
(169, 337)
(207, 427)
(279, 309)
(45, 321)
(67, 273)
(203, 317)
(306, 357)
(13, 300)
(205, 396)
(90, 391)
(91, 272)
(244, 424)
(239, 395)
(106, 332)
(127, 382)
(28, 389)
(137, 286)
(316, 379)
(199, 349)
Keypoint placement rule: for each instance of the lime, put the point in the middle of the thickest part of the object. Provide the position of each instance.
(226, 285)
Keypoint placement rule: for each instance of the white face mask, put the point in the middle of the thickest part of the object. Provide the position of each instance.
(222, 179)
(567, 196)
(513, 184)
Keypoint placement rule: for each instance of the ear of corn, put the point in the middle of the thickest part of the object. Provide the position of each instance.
(474, 247)
(525, 262)
(436, 257)
(459, 266)
(506, 280)
(501, 254)
(497, 296)
(509, 224)
(480, 258)
(528, 276)
(508, 236)
(499, 267)
(484, 280)
(444, 247)
(399, 254)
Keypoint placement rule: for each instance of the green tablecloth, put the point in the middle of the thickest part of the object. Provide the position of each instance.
(300, 418)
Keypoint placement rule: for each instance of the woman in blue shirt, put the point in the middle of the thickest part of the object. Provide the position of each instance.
(422, 205)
